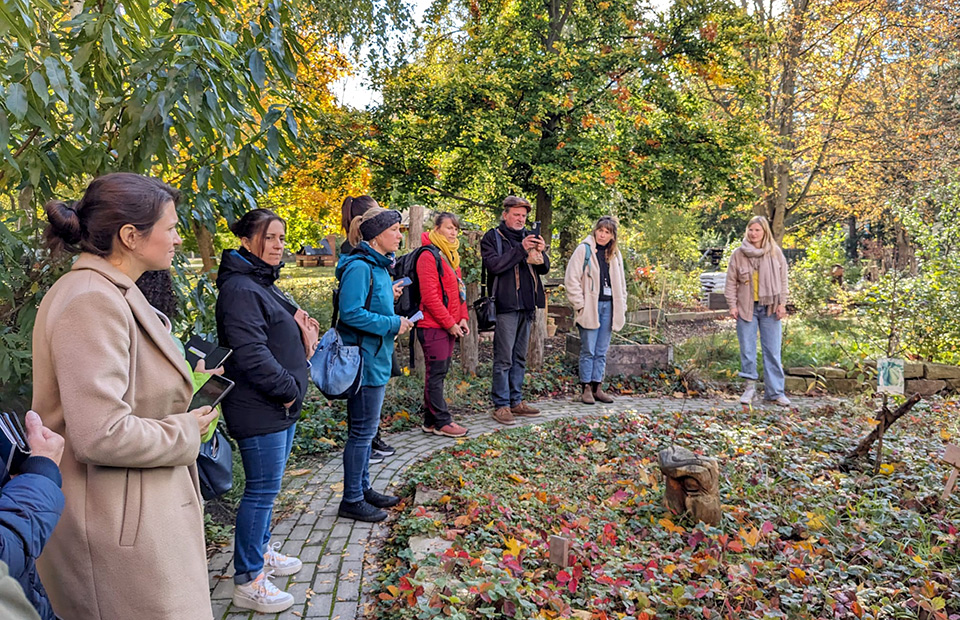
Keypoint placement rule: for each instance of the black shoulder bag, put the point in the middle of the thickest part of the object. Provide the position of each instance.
(486, 307)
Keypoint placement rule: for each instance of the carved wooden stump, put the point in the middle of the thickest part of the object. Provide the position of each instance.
(693, 484)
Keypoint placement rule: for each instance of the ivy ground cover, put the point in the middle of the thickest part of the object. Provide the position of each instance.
(799, 538)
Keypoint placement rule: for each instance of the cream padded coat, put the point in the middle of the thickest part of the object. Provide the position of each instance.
(108, 377)
(583, 287)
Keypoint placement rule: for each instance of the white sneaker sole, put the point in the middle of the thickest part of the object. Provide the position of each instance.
(284, 572)
(265, 608)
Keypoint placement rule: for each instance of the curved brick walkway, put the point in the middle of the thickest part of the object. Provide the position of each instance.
(332, 583)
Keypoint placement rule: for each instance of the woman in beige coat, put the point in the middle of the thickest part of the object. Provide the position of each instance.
(108, 377)
(756, 292)
(597, 289)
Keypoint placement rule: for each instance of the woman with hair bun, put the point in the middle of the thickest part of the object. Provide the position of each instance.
(257, 321)
(109, 378)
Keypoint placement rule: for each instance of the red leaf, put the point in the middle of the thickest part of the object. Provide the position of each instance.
(563, 576)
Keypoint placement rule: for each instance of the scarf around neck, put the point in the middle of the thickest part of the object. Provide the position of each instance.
(763, 261)
(514, 236)
(450, 250)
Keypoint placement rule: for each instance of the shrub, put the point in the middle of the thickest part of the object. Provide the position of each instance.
(921, 309)
(811, 284)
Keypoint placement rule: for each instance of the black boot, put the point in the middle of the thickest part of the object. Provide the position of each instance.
(379, 499)
(361, 511)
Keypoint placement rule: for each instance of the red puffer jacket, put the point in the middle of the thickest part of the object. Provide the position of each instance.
(435, 313)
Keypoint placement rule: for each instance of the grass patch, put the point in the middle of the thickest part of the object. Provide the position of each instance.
(798, 539)
(806, 342)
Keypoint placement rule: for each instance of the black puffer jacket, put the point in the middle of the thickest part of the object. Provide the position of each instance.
(269, 366)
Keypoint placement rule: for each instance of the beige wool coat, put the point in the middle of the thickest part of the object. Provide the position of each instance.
(108, 377)
(583, 287)
(738, 289)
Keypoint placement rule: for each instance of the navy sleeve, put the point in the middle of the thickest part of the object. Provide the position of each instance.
(30, 506)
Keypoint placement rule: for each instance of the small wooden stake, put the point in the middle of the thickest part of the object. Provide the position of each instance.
(951, 455)
(560, 551)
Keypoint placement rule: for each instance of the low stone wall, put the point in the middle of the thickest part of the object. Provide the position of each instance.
(628, 359)
(924, 378)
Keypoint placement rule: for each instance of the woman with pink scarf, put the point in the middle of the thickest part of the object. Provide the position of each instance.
(756, 293)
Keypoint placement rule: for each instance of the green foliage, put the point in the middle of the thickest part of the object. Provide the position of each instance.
(579, 107)
(663, 236)
(811, 284)
(921, 309)
(862, 546)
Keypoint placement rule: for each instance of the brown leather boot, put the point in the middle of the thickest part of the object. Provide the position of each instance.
(601, 396)
(524, 409)
(503, 415)
(587, 396)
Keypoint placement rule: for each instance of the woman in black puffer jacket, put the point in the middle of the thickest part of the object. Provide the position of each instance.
(269, 366)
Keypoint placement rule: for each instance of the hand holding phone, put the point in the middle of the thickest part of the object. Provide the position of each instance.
(212, 392)
(416, 317)
(537, 229)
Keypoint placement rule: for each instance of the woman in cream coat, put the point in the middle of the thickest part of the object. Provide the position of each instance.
(108, 377)
(597, 289)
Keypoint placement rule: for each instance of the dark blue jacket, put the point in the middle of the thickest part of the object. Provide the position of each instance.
(375, 328)
(30, 506)
(268, 364)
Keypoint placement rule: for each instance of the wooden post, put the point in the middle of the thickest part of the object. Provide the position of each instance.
(951, 455)
(538, 334)
(470, 345)
(560, 551)
(413, 242)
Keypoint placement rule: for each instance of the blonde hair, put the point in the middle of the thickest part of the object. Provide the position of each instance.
(765, 225)
(354, 236)
(610, 223)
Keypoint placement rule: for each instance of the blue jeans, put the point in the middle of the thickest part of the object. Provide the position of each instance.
(264, 459)
(510, 339)
(770, 337)
(363, 420)
(594, 344)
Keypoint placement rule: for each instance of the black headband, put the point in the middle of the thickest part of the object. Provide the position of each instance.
(378, 223)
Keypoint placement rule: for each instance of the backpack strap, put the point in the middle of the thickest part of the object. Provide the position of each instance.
(438, 255)
(484, 274)
(335, 319)
(586, 261)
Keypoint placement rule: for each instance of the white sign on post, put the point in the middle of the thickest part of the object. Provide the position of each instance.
(890, 375)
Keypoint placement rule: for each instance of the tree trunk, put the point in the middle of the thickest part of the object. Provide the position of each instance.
(414, 241)
(25, 206)
(853, 252)
(205, 247)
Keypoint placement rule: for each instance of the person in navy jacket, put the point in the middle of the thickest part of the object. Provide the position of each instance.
(269, 367)
(30, 506)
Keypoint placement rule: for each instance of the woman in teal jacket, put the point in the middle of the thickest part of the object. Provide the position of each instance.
(367, 319)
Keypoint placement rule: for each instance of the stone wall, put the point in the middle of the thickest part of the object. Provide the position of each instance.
(924, 378)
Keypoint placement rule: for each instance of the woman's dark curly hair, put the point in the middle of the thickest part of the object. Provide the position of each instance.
(157, 287)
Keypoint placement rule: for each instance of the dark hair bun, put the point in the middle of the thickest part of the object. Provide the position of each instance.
(64, 230)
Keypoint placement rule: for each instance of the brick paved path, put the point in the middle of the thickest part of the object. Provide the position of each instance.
(332, 549)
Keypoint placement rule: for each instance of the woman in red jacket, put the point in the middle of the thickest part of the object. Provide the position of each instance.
(443, 300)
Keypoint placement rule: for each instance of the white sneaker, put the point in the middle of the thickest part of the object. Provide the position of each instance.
(749, 393)
(262, 596)
(782, 400)
(278, 564)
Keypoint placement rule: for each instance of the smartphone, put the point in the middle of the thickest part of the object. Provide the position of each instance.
(211, 392)
(403, 282)
(14, 449)
(417, 317)
(537, 229)
(215, 358)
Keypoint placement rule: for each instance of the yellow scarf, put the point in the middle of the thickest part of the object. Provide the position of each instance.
(450, 250)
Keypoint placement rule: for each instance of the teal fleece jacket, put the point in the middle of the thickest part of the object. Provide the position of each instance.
(373, 329)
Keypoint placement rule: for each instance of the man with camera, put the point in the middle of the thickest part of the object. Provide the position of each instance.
(30, 506)
(514, 258)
